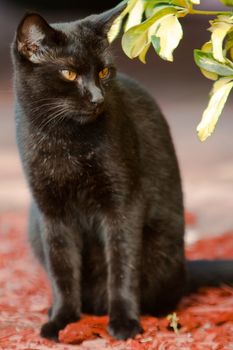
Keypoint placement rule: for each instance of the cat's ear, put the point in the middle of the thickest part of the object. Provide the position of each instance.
(33, 35)
(105, 20)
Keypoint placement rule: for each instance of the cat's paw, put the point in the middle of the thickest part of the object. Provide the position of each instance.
(124, 328)
(51, 329)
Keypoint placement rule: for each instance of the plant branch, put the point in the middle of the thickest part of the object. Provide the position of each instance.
(209, 13)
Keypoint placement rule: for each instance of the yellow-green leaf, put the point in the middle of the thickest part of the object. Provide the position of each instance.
(195, 2)
(219, 31)
(207, 47)
(229, 40)
(116, 26)
(206, 61)
(181, 3)
(219, 94)
(174, 322)
(115, 29)
(156, 43)
(139, 45)
(135, 15)
(227, 2)
(136, 38)
(142, 56)
(219, 84)
(169, 33)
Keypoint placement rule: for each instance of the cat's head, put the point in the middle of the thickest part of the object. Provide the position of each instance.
(66, 68)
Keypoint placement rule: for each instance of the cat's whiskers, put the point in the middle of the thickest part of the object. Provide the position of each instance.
(46, 113)
(51, 104)
(54, 116)
(46, 99)
(49, 100)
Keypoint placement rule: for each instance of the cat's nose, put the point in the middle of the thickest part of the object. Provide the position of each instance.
(97, 101)
(97, 104)
(96, 97)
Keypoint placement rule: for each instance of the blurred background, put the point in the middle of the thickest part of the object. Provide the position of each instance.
(180, 90)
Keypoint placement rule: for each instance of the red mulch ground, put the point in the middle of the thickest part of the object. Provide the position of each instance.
(206, 318)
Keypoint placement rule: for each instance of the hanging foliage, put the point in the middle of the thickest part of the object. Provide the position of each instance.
(157, 24)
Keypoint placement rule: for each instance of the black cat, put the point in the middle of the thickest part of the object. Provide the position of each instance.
(107, 212)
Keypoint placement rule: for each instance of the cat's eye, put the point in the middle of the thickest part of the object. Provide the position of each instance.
(104, 73)
(69, 75)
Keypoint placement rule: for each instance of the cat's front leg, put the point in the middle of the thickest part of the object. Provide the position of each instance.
(63, 264)
(123, 254)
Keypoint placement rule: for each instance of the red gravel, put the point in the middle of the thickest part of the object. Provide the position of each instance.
(206, 318)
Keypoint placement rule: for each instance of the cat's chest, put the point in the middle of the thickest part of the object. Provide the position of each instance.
(62, 168)
(69, 173)
(65, 167)
(64, 163)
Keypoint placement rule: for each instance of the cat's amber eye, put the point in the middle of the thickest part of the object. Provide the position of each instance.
(104, 73)
(69, 74)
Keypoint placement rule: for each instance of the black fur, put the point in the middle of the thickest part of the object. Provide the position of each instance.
(107, 212)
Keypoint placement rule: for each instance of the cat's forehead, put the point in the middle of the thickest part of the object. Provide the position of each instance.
(79, 42)
(83, 45)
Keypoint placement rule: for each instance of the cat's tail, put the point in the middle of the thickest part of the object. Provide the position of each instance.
(208, 273)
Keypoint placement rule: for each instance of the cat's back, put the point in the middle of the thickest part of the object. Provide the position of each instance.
(135, 95)
(141, 108)
(146, 117)
(158, 162)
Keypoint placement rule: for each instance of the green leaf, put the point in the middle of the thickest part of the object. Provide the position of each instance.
(227, 2)
(135, 15)
(206, 61)
(140, 45)
(229, 40)
(136, 38)
(195, 2)
(156, 43)
(174, 322)
(116, 26)
(115, 29)
(153, 6)
(149, 8)
(142, 56)
(169, 32)
(207, 47)
(219, 30)
(181, 3)
(219, 94)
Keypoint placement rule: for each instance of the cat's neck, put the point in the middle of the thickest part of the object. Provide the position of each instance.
(70, 132)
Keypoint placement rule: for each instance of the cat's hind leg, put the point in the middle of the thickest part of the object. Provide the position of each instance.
(163, 276)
